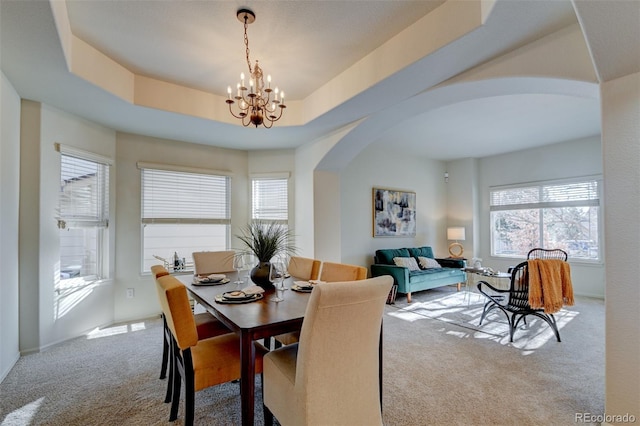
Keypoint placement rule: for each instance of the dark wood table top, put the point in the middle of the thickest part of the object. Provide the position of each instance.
(264, 317)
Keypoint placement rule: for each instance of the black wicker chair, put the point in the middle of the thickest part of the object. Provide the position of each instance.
(514, 302)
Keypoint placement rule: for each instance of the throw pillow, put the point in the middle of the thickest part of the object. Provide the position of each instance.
(407, 262)
(427, 262)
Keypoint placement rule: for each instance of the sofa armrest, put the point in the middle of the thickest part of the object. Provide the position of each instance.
(452, 263)
(400, 274)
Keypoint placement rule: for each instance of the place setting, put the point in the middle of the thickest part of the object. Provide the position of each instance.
(246, 295)
(211, 279)
(304, 286)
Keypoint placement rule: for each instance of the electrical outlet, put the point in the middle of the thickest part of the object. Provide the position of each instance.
(130, 293)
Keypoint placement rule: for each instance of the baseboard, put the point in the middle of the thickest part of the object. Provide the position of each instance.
(12, 364)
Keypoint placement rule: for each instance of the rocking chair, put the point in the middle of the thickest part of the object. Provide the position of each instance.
(514, 302)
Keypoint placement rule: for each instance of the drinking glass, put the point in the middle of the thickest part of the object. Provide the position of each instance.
(238, 265)
(276, 275)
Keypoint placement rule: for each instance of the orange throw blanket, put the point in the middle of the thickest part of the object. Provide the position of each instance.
(550, 285)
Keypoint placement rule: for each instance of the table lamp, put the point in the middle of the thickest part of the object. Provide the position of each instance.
(455, 233)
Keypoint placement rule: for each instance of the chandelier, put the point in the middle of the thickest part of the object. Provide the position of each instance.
(255, 104)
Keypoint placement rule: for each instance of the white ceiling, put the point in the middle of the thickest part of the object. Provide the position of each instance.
(303, 45)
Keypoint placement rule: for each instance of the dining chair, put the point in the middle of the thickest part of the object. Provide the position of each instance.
(211, 262)
(200, 363)
(332, 272)
(304, 268)
(206, 324)
(332, 375)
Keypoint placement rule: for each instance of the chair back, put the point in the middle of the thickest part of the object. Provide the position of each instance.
(211, 262)
(158, 271)
(304, 268)
(337, 370)
(519, 287)
(540, 253)
(177, 311)
(336, 272)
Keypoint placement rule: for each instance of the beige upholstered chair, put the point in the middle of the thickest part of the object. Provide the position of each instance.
(206, 324)
(211, 262)
(332, 272)
(304, 268)
(332, 376)
(199, 363)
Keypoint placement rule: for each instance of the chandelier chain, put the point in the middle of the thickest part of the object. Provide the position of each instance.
(246, 43)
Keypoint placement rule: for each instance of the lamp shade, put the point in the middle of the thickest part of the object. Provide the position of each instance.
(455, 233)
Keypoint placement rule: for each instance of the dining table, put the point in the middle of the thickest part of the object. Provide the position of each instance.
(252, 321)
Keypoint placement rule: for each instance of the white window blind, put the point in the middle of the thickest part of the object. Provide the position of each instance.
(84, 195)
(584, 193)
(180, 197)
(269, 199)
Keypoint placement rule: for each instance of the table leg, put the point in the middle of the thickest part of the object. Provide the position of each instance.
(248, 379)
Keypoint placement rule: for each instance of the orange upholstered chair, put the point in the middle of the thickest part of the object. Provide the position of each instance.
(332, 272)
(199, 363)
(304, 268)
(332, 376)
(206, 324)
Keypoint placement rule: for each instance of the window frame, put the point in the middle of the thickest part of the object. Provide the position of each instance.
(181, 170)
(281, 176)
(98, 221)
(540, 206)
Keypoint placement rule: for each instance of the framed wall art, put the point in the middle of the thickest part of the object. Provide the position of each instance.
(394, 213)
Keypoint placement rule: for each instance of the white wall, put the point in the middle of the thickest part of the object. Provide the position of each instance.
(379, 165)
(621, 146)
(133, 148)
(9, 198)
(564, 160)
(45, 317)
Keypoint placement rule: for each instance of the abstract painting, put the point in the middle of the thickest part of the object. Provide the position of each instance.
(394, 213)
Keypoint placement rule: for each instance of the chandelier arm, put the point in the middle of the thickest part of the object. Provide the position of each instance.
(237, 116)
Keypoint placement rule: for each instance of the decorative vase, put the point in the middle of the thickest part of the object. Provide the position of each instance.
(260, 275)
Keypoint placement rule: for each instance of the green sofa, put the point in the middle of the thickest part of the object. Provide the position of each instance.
(423, 279)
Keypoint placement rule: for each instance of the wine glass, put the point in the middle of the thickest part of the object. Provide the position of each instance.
(238, 265)
(276, 274)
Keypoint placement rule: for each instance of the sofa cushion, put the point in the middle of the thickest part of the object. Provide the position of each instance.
(427, 262)
(425, 251)
(385, 256)
(407, 262)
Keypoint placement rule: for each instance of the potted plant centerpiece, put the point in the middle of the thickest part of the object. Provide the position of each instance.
(265, 240)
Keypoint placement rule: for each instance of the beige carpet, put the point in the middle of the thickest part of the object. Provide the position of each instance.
(441, 368)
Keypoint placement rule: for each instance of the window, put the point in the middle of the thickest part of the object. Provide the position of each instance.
(562, 215)
(269, 198)
(183, 212)
(83, 217)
